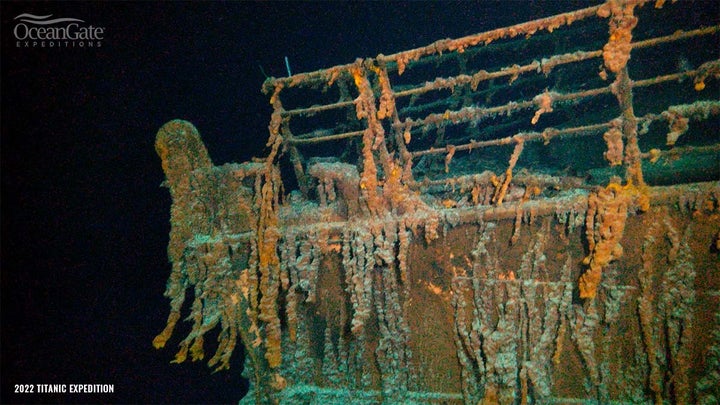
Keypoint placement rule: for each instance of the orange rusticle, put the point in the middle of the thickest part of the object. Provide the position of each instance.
(199, 251)
(503, 187)
(607, 211)
(181, 151)
(387, 97)
(677, 125)
(654, 155)
(616, 52)
(614, 141)
(605, 225)
(544, 102)
(707, 69)
(373, 136)
(448, 157)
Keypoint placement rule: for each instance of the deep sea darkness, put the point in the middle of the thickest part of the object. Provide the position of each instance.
(84, 220)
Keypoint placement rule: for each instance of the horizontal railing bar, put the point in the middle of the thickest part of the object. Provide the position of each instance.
(548, 133)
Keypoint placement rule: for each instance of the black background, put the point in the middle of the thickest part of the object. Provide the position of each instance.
(84, 222)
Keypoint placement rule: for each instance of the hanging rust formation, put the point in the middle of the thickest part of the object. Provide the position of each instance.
(525, 215)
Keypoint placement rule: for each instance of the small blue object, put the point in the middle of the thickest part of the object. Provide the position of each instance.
(287, 65)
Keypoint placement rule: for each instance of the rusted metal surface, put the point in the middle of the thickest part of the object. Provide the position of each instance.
(539, 226)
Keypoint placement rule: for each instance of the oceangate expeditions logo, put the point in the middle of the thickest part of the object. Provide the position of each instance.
(38, 31)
